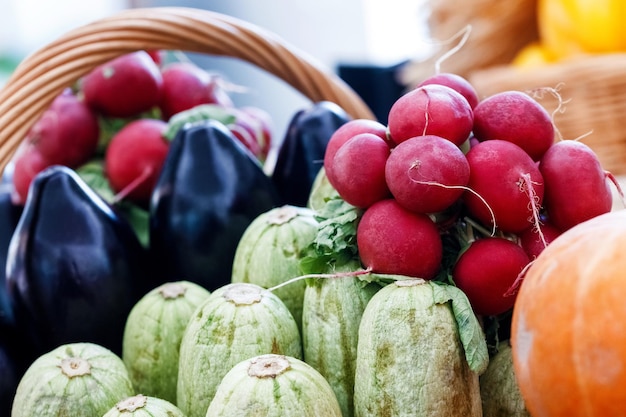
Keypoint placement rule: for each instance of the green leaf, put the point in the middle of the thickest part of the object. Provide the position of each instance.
(451, 250)
(335, 243)
(93, 174)
(470, 331)
(382, 279)
(198, 114)
(109, 126)
(139, 220)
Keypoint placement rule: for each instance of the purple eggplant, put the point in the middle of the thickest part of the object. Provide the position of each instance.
(301, 153)
(209, 191)
(10, 374)
(9, 217)
(75, 268)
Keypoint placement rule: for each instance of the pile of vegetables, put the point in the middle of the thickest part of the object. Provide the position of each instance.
(373, 270)
(481, 190)
(106, 199)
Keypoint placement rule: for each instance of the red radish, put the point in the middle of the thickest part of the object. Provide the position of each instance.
(266, 126)
(124, 87)
(506, 184)
(427, 174)
(28, 163)
(186, 85)
(431, 109)
(393, 240)
(455, 82)
(156, 55)
(535, 239)
(487, 270)
(67, 133)
(134, 159)
(359, 170)
(347, 131)
(516, 117)
(249, 131)
(577, 188)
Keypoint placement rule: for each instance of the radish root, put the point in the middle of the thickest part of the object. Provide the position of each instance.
(321, 276)
(426, 113)
(514, 288)
(464, 34)
(609, 175)
(145, 174)
(584, 135)
(526, 185)
(461, 187)
(539, 94)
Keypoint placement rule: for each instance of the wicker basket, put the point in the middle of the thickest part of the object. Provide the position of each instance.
(498, 30)
(591, 102)
(46, 73)
(594, 93)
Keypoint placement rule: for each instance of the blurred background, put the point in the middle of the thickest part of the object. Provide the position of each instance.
(364, 41)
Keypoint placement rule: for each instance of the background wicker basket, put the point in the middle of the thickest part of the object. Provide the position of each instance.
(592, 88)
(594, 93)
(43, 75)
(498, 30)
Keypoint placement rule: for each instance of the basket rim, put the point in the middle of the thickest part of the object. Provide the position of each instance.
(45, 73)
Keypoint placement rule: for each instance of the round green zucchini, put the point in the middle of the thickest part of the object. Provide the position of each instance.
(152, 335)
(236, 322)
(274, 386)
(75, 379)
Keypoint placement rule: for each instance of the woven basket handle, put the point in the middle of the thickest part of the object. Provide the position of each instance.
(43, 75)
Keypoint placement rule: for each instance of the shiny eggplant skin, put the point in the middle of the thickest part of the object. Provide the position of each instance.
(14, 356)
(209, 191)
(75, 268)
(9, 217)
(301, 153)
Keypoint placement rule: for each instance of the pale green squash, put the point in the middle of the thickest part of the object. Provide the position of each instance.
(75, 379)
(274, 386)
(236, 322)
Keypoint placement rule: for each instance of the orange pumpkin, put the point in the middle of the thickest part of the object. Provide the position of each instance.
(569, 323)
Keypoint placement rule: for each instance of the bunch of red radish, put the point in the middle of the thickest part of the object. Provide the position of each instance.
(492, 172)
(140, 92)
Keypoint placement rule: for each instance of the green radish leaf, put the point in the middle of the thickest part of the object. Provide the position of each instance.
(109, 126)
(335, 243)
(492, 326)
(139, 220)
(451, 250)
(381, 279)
(93, 174)
(197, 114)
(470, 331)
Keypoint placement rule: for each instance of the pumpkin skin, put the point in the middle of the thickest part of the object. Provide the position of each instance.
(567, 332)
